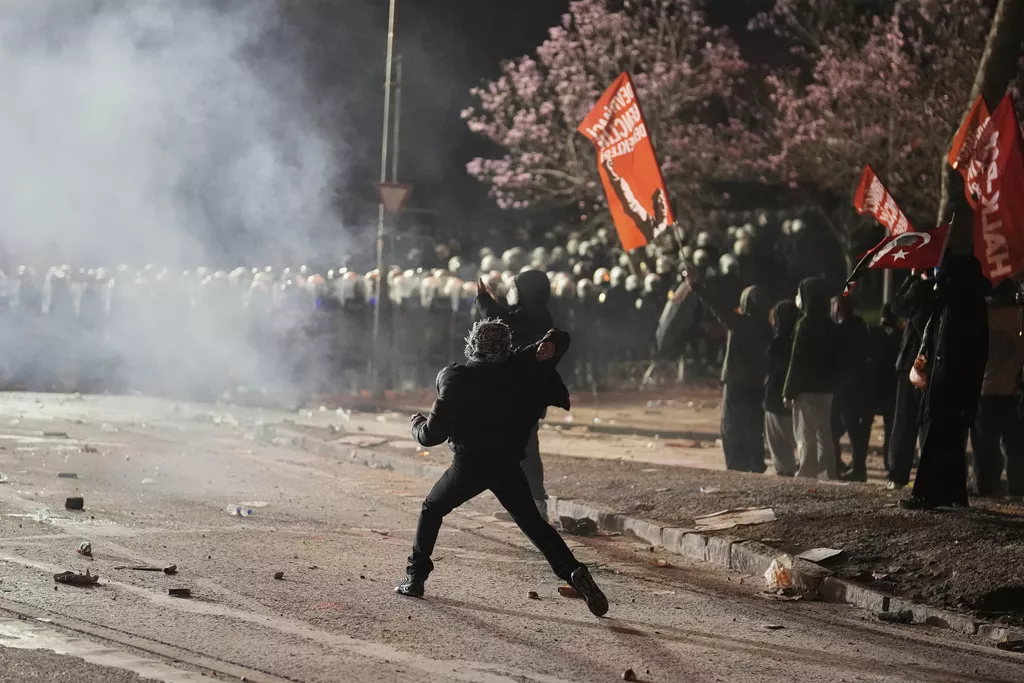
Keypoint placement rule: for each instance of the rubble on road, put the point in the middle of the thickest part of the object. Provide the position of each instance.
(170, 570)
(578, 527)
(279, 576)
(85, 549)
(75, 579)
(179, 592)
(74, 503)
(733, 517)
(533, 595)
(67, 475)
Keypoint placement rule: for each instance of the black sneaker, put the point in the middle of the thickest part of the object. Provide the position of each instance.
(411, 587)
(917, 503)
(584, 584)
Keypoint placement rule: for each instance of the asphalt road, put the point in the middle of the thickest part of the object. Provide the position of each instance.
(157, 476)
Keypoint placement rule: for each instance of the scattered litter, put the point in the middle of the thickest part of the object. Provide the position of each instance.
(774, 627)
(85, 549)
(648, 470)
(629, 675)
(903, 616)
(662, 490)
(67, 475)
(170, 570)
(3, 479)
(662, 563)
(423, 454)
(710, 489)
(533, 595)
(55, 435)
(147, 480)
(75, 579)
(180, 592)
(1011, 645)
(779, 575)
(567, 591)
(785, 595)
(86, 448)
(279, 576)
(819, 554)
(254, 503)
(75, 503)
(43, 515)
(727, 519)
(578, 527)
(238, 511)
(109, 428)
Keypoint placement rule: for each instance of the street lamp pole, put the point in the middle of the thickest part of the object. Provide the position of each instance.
(380, 207)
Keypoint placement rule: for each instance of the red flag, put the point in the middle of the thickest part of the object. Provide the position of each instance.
(872, 197)
(910, 249)
(629, 170)
(996, 177)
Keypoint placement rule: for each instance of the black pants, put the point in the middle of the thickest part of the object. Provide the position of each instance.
(998, 428)
(532, 466)
(743, 427)
(942, 475)
(852, 415)
(903, 442)
(506, 481)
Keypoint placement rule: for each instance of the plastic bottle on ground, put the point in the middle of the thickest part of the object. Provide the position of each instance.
(238, 511)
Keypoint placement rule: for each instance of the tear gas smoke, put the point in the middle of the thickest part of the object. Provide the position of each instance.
(148, 131)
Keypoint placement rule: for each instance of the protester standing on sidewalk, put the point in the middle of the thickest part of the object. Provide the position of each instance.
(852, 411)
(884, 351)
(486, 410)
(743, 376)
(999, 427)
(811, 380)
(528, 316)
(912, 303)
(957, 352)
(778, 419)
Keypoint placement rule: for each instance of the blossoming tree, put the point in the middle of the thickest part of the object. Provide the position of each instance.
(687, 75)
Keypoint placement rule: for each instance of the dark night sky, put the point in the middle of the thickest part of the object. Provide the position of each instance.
(448, 46)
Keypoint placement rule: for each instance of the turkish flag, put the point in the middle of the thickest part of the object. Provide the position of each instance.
(910, 249)
(628, 167)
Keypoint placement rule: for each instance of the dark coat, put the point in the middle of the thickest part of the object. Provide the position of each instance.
(529, 318)
(854, 380)
(958, 348)
(749, 336)
(912, 303)
(487, 411)
(784, 317)
(884, 349)
(815, 364)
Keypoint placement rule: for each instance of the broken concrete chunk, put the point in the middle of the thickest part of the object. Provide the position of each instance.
(578, 527)
(629, 675)
(533, 595)
(85, 549)
(180, 592)
(75, 503)
(75, 579)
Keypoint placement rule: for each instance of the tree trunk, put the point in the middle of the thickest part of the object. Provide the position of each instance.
(998, 66)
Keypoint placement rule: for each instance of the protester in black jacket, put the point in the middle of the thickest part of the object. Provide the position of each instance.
(742, 377)
(852, 409)
(528, 316)
(486, 410)
(811, 380)
(778, 419)
(958, 352)
(912, 303)
(884, 350)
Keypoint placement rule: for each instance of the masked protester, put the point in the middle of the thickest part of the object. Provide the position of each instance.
(486, 410)
(852, 411)
(811, 380)
(957, 352)
(743, 376)
(912, 303)
(998, 423)
(778, 419)
(527, 316)
(884, 350)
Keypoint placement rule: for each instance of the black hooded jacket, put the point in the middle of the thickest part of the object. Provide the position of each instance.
(486, 411)
(912, 303)
(784, 317)
(815, 364)
(749, 335)
(529, 318)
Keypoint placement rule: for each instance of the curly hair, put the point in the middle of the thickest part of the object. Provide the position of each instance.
(490, 341)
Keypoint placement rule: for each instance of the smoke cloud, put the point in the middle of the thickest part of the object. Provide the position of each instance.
(153, 131)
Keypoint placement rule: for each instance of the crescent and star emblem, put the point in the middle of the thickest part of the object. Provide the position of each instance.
(903, 245)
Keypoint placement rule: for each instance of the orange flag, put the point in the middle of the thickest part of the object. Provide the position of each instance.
(873, 198)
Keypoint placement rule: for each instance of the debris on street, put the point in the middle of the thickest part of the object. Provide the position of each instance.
(1011, 645)
(578, 527)
(67, 475)
(55, 435)
(727, 519)
(169, 570)
(779, 575)
(774, 627)
(75, 503)
(75, 579)
(819, 554)
(86, 448)
(629, 675)
(533, 595)
(238, 511)
(567, 591)
(279, 576)
(180, 592)
(85, 549)
(903, 616)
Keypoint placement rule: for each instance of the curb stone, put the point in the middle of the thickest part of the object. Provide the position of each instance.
(750, 557)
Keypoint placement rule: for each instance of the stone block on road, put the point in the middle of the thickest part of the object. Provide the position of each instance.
(642, 529)
(751, 557)
(835, 589)
(720, 550)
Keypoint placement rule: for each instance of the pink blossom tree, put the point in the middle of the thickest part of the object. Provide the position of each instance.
(886, 90)
(687, 74)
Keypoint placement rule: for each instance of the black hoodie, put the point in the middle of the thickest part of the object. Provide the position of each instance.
(815, 364)
(784, 317)
(529, 317)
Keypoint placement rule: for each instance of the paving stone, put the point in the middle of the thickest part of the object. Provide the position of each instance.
(751, 557)
(720, 550)
(695, 546)
(642, 529)
(835, 589)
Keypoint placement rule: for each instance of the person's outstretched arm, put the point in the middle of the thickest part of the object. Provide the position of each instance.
(435, 427)
(487, 304)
